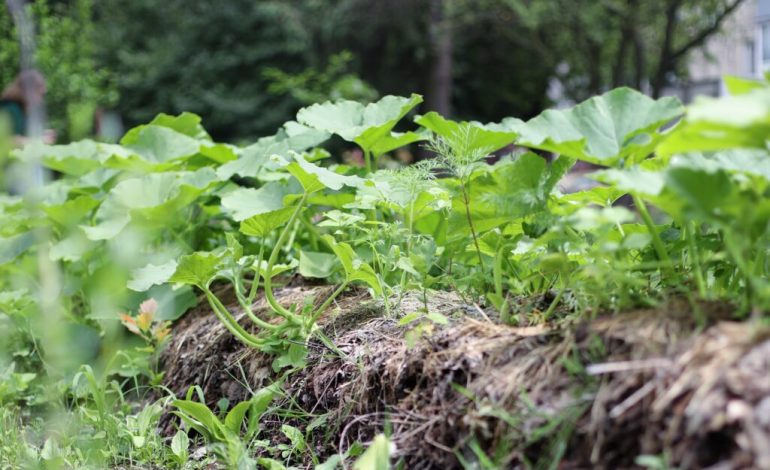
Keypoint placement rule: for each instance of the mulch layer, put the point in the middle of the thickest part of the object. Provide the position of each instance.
(597, 394)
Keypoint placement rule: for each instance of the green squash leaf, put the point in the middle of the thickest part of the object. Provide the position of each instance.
(144, 278)
(395, 140)
(489, 137)
(72, 212)
(155, 148)
(71, 248)
(196, 269)
(365, 125)
(75, 159)
(148, 200)
(188, 124)
(243, 203)
(261, 225)
(506, 191)
(739, 85)
(255, 158)
(12, 247)
(740, 121)
(633, 180)
(314, 178)
(355, 269)
(621, 125)
(315, 264)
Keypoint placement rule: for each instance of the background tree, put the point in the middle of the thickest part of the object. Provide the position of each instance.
(66, 55)
(247, 66)
(596, 45)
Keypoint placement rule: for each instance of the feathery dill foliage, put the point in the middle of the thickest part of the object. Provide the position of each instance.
(459, 151)
(413, 179)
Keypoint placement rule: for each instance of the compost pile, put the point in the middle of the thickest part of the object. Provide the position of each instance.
(597, 394)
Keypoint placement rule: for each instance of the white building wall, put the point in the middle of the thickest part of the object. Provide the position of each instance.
(733, 51)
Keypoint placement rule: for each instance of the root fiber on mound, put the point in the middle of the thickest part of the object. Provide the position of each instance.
(596, 395)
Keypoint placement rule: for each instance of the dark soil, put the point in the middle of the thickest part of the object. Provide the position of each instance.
(592, 395)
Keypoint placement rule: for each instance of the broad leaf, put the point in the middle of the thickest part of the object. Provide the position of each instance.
(315, 264)
(739, 85)
(76, 159)
(71, 212)
(314, 178)
(71, 248)
(12, 247)
(395, 140)
(235, 417)
(256, 158)
(188, 124)
(633, 180)
(365, 125)
(206, 422)
(261, 225)
(149, 200)
(147, 276)
(243, 203)
(489, 137)
(155, 148)
(621, 125)
(196, 269)
(507, 191)
(355, 269)
(740, 121)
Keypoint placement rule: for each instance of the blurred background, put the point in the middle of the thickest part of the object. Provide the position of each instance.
(246, 66)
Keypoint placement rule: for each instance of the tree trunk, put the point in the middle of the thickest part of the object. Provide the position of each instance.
(438, 96)
(666, 51)
(640, 61)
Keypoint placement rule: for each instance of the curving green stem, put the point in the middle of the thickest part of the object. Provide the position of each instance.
(320, 310)
(689, 230)
(268, 282)
(660, 249)
(227, 319)
(246, 306)
(255, 282)
(556, 300)
(467, 201)
(246, 302)
(367, 159)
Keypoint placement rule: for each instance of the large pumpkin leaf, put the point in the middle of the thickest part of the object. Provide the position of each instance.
(71, 212)
(148, 199)
(188, 124)
(315, 264)
(262, 224)
(739, 121)
(509, 190)
(355, 269)
(150, 275)
(314, 178)
(621, 125)
(489, 137)
(14, 246)
(366, 125)
(155, 148)
(243, 203)
(396, 140)
(196, 269)
(256, 157)
(75, 159)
